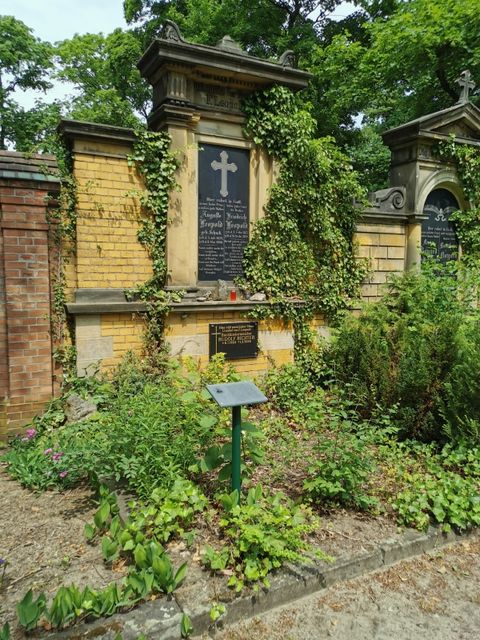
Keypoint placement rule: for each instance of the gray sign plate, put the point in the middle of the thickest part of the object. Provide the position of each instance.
(235, 394)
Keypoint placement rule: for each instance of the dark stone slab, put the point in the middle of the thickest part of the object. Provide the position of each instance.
(223, 215)
(438, 233)
(236, 340)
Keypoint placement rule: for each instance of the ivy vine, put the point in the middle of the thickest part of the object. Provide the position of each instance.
(467, 222)
(157, 165)
(302, 253)
(62, 221)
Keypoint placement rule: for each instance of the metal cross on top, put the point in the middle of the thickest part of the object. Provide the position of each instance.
(466, 83)
(224, 167)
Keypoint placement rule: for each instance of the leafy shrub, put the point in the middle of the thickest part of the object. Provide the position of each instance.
(150, 431)
(60, 457)
(263, 533)
(156, 435)
(168, 513)
(287, 386)
(341, 463)
(442, 488)
(460, 403)
(418, 349)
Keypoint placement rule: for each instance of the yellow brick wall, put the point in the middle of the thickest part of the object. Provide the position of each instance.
(108, 254)
(385, 247)
(126, 329)
(189, 337)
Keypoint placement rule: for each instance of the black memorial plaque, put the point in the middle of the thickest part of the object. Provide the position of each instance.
(235, 339)
(437, 230)
(222, 211)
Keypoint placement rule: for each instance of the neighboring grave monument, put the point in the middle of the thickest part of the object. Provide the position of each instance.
(430, 184)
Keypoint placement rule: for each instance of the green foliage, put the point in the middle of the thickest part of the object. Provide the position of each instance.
(341, 467)
(287, 386)
(302, 250)
(5, 632)
(150, 570)
(155, 436)
(103, 69)
(395, 67)
(24, 63)
(30, 610)
(443, 489)
(169, 512)
(370, 158)
(149, 430)
(262, 533)
(157, 166)
(467, 222)
(216, 611)
(186, 627)
(415, 349)
(219, 456)
(264, 27)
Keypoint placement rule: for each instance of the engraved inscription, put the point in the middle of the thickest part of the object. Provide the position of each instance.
(438, 234)
(223, 220)
(216, 97)
(235, 339)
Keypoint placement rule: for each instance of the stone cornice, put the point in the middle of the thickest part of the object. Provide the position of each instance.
(226, 64)
(74, 129)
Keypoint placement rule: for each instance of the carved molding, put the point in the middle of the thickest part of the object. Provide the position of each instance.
(392, 199)
(287, 59)
(170, 31)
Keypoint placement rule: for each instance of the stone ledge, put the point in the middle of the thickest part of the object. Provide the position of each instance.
(89, 308)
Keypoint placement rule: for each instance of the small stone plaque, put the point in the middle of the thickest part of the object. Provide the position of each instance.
(437, 229)
(236, 340)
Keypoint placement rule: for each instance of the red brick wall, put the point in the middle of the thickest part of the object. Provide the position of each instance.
(26, 370)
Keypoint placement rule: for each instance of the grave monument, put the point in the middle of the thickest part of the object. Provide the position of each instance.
(223, 179)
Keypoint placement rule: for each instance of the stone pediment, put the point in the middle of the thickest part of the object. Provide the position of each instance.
(225, 64)
(462, 120)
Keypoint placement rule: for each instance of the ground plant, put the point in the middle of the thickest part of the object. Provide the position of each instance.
(260, 535)
(319, 445)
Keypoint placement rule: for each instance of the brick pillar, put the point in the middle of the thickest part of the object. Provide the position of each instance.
(26, 371)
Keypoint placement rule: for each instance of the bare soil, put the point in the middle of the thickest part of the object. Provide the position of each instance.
(42, 539)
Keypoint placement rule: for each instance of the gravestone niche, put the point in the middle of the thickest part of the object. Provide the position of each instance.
(437, 229)
(223, 215)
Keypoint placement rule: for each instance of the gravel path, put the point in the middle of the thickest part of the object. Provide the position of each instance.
(432, 597)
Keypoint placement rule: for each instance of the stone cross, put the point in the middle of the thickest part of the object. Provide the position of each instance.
(466, 83)
(224, 167)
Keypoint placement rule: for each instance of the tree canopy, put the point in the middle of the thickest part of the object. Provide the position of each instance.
(24, 64)
(386, 63)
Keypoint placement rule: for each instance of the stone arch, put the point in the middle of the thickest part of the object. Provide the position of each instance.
(442, 179)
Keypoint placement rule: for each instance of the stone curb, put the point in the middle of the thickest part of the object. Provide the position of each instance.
(161, 619)
(298, 581)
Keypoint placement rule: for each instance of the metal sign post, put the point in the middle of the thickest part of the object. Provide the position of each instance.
(236, 395)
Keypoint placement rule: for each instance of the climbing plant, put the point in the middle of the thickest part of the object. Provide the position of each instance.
(62, 221)
(157, 165)
(302, 253)
(467, 222)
